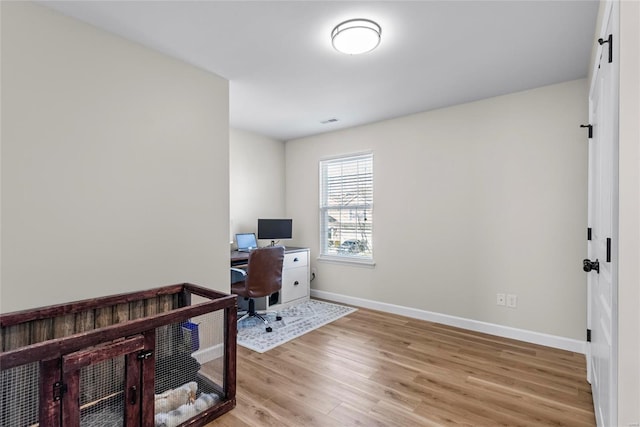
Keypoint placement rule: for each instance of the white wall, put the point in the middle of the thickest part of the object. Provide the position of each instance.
(469, 201)
(257, 180)
(629, 217)
(115, 165)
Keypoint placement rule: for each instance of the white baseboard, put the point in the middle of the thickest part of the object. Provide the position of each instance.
(460, 322)
(208, 354)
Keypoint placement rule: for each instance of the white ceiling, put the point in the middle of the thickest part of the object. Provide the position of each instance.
(285, 78)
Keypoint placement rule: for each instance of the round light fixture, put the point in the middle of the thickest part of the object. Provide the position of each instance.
(356, 36)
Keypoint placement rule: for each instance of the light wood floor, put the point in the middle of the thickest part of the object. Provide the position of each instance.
(375, 369)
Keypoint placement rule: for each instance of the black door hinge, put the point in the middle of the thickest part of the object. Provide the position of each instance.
(588, 335)
(589, 233)
(610, 41)
(608, 249)
(590, 130)
(59, 389)
(145, 354)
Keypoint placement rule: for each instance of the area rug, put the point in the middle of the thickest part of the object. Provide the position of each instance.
(296, 320)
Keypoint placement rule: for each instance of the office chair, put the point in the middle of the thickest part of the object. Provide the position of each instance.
(262, 278)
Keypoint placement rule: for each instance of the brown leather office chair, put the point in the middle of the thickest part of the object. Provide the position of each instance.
(262, 278)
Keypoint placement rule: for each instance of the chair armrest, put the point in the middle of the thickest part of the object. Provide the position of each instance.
(238, 275)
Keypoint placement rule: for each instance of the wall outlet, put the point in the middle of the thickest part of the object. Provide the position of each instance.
(314, 271)
(500, 299)
(512, 300)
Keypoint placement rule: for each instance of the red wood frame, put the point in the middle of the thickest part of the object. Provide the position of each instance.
(62, 358)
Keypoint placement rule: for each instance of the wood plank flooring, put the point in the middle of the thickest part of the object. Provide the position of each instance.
(376, 369)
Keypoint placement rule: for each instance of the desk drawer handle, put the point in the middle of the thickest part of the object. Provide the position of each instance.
(295, 260)
(296, 283)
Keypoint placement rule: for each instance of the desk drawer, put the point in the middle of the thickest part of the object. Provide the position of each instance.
(295, 259)
(295, 284)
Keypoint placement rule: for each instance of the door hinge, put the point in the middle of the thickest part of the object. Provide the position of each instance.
(145, 354)
(59, 389)
(608, 249)
(589, 233)
(610, 41)
(590, 127)
(588, 335)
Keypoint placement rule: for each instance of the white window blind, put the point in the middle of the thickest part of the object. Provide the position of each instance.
(346, 207)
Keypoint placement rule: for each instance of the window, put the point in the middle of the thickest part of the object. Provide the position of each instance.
(346, 208)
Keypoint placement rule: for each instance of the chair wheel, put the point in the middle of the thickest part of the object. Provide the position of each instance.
(269, 329)
(278, 318)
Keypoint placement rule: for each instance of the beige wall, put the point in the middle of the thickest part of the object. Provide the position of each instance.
(115, 166)
(629, 217)
(469, 201)
(257, 180)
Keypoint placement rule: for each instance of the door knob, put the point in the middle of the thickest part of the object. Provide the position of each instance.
(588, 265)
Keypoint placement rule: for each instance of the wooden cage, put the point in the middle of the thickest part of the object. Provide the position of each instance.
(129, 355)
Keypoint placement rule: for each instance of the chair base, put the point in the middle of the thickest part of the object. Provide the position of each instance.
(253, 313)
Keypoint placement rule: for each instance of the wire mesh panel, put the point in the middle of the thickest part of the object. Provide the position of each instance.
(19, 395)
(213, 362)
(182, 389)
(102, 392)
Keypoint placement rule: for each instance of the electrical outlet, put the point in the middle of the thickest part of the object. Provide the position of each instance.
(512, 300)
(314, 271)
(500, 299)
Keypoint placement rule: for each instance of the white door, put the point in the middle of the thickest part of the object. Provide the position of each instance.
(602, 280)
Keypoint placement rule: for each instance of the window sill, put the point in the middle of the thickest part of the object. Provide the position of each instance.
(333, 259)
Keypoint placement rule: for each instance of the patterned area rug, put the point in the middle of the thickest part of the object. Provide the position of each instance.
(296, 320)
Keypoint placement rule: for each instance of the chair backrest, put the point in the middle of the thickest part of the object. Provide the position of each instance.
(264, 271)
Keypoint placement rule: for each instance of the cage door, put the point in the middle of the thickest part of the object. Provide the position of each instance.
(102, 385)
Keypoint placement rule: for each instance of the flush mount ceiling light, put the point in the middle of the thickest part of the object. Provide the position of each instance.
(356, 36)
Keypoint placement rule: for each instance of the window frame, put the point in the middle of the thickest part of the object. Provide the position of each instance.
(368, 205)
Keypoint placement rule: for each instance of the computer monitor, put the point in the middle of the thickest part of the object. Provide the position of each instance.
(275, 229)
(246, 242)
